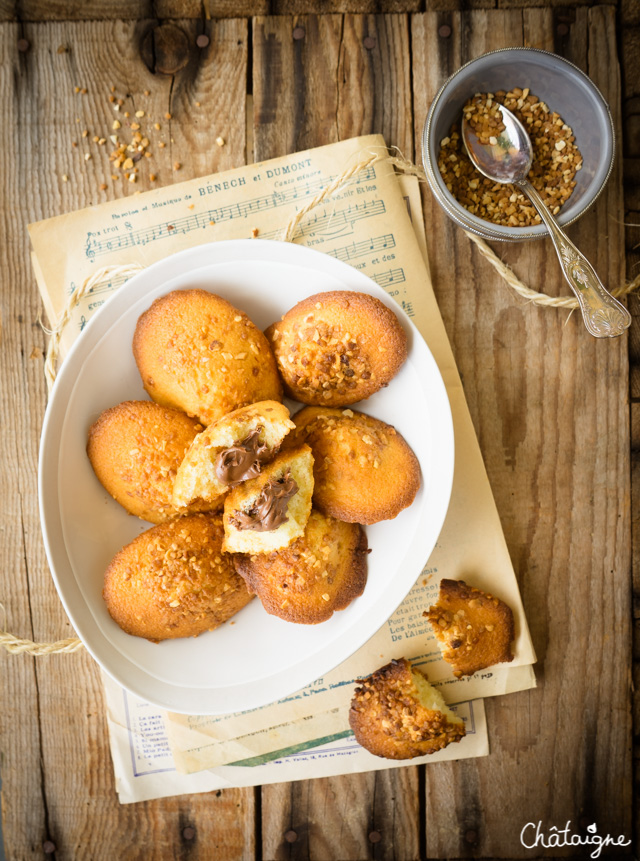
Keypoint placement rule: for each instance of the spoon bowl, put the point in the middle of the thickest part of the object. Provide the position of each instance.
(507, 158)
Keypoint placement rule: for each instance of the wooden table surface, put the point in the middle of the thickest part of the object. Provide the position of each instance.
(557, 414)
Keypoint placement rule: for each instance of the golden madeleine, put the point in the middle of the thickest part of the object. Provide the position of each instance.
(233, 449)
(322, 571)
(474, 629)
(270, 511)
(397, 714)
(364, 471)
(336, 348)
(198, 353)
(135, 449)
(174, 580)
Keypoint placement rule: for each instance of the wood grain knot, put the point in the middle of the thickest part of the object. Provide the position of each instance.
(165, 49)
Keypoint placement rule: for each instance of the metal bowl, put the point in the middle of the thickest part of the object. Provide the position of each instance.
(564, 88)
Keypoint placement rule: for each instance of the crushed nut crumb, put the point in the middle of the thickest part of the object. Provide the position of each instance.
(556, 159)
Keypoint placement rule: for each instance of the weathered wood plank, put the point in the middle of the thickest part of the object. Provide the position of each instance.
(163, 10)
(359, 816)
(57, 777)
(558, 4)
(549, 406)
(630, 42)
(295, 92)
(118, 10)
(331, 60)
(630, 48)
(22, 576)
(635, 538)
(630, 51)
(632, 233)
(308, 92)
(374, 79)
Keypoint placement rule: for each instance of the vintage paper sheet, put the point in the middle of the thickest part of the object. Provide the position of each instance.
(367, 225)
(145, 767)
(203, 742)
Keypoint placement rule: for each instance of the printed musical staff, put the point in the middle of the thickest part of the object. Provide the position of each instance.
(389, 278)
(332, 223)
(104, 288)
(361, 249)
(95, 246)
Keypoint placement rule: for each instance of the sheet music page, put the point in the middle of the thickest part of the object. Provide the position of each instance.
(145, 768)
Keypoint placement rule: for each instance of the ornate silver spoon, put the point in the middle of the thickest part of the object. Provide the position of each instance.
(509, 161)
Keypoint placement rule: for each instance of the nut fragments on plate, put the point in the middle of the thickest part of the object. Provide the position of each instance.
(135, 449)
(198, 353)
(336, 348)
(364, 471)
(322, 571)
(174, 580)
(270, 511)
(231, 450)
(397, 714)
(474, 629)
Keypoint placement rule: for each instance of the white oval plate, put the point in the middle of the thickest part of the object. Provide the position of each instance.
(259, 658)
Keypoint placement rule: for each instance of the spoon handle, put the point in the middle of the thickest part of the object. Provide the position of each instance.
(603, 315)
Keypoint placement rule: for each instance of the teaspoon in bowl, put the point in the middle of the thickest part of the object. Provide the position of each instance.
(509, 161)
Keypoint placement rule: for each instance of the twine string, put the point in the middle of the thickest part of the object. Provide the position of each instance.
(14, 645)
(101, 276)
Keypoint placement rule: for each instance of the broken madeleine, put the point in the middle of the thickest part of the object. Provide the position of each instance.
(473, 628)
(397, 714)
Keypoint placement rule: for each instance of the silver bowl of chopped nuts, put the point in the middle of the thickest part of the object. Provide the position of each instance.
(571, 131)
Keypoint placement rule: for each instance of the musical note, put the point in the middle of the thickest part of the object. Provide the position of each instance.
(391, 276)
(359, 249)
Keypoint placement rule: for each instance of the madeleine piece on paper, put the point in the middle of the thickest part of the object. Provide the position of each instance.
(474, 629)
(319, 573)
(364, 470)
(135, 449)
(231, 450)
(198, 353)
(269, 512)
(397, 714)
(174, 580)
(336, 348)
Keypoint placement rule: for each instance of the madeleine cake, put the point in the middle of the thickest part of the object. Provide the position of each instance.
(336, 348)
(198, 353)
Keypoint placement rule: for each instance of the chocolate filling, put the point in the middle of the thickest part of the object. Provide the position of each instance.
(243, 460)
(269, 511)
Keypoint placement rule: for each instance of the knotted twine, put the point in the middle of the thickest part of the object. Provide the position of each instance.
(13, 644)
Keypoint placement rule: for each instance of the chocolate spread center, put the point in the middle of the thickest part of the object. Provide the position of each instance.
(269, 511)
(242, 461)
